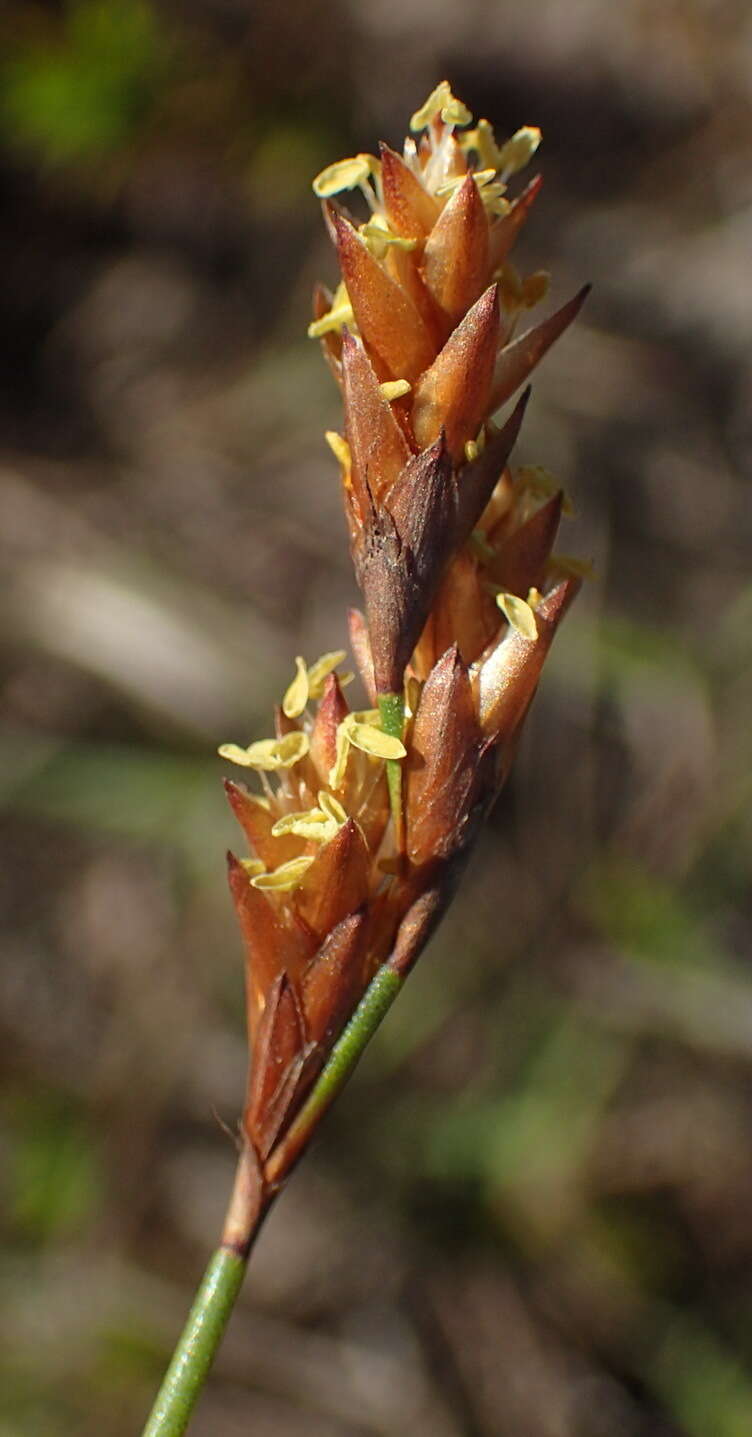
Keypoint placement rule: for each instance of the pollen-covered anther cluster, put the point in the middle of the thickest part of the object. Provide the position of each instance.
(365, 817)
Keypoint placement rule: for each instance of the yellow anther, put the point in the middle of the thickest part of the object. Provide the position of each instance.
(296, 695)
(323, 667)
(340, 448)
(344, 175)
(474, 447)
(340, 296)
(535, 288)
(510, 286)
(455, 113)
(332, 807)
(252, 866)
(287, 876)
(291, 748)
(318, 824)
(494, 202)
(563, 566)
(516, 153)
(542, 484)
(519, 614)
(432, 107)
(401, 242)
(537, 479)
(483, 140)
(485, 180)
(312, 824)
(234, 754)
(333, 319)
(268, 754)
(337, 771)
(394, 389)
(534, 597)
(375, 240)
(442, 102)
(413, 690)
(289, 822)
(375, 742)
(360, 719)
(448, 187)
(377, 235)
(493, 197)
(341, 312)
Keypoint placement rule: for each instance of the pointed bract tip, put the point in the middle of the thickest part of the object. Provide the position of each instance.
(513, 424)
(331, 217)
(450, 659)
(235, 870)
(555, 603)
(437, 450)
(488, 301)
(344, 232)
(577, 301)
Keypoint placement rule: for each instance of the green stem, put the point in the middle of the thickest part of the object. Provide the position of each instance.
(392, 713)
(250, 1200)
(372, 1008)
(197, 1345)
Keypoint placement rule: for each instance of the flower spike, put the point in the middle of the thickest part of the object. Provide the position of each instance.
(452, 551)
(366, 818)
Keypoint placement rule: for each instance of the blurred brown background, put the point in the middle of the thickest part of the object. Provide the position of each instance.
(531, 1214)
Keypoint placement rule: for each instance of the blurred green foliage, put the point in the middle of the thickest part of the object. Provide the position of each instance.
(126, 792)
(83, 92)
(646, 917)
(53, 1174)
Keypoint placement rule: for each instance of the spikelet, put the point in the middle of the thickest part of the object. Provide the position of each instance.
(452, 552)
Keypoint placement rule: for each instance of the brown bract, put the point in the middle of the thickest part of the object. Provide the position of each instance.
(443, 763)
(275, 941)
(508, 676)
(331, 711)
(455, 261)
(454, 392)
(519, 564)
(400, 557)
(379, 450)
(388, 320)
(519, 358)
(411, 211)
